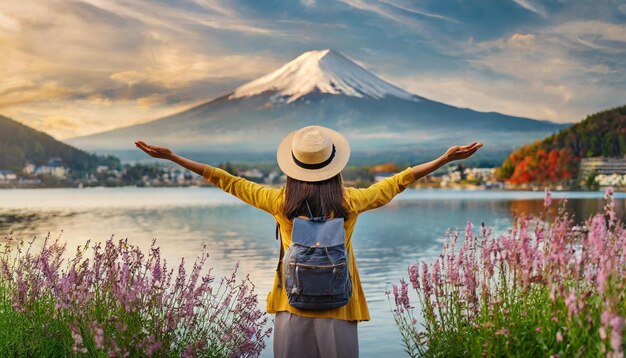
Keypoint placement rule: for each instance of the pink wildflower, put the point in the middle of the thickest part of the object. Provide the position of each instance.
(395, 292)
(414, 275)
(78, 342)
(99, 338)
(468, 230)
(404, 295)
(502, 332)
(617, 325)
(436, 273)
(425, 280)
(548, 199)
(571, 301)
(559, 336)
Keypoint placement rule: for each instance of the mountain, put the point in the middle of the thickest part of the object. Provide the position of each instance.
(328, 89)
(320, 71)
(557, 157)
(20, 143)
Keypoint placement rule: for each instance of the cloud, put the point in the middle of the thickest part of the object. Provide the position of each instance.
(215, 15)
(594, 34)
(151, 101)
(58, 124)
(308, 3)
(8, 24)
(478, 92)
(99, 99)
(521, 40)
(546, 74)
(410, 8)
(387, 12)
(128, 77)
(555, 54)
(536, 8)
(30, 92)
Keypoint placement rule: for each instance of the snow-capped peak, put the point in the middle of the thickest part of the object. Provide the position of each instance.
(326, 71)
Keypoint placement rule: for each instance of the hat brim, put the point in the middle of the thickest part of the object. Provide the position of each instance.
(291, 169)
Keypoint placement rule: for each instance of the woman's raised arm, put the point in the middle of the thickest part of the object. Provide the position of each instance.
(453, 153)
(248, 191)
(379, 194)
(165, 153)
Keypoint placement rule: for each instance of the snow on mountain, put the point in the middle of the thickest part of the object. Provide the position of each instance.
(326, 71)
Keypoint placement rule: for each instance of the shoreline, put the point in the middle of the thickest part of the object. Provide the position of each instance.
(528, 188)
(421, 189)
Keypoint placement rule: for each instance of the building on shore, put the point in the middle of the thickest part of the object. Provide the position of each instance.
(54, 167)
(29, 168)
(602, 165)
(383, 175)
(7, 176)
(606, 171)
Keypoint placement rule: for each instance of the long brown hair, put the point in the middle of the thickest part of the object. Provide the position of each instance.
(327, 194)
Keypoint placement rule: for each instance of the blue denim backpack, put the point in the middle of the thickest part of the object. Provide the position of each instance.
(315, 266)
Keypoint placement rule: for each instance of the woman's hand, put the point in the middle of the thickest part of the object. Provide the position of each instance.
(461, 152)
(154, 151)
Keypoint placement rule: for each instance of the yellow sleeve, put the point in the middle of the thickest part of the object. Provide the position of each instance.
(379, 194)
(252, 193)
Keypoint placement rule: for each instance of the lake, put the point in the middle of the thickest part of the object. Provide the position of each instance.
(386, 240)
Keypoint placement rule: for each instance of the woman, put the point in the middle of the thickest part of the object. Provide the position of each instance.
(312, 159)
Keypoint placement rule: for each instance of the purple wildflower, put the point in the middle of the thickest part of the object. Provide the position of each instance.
(143, 308)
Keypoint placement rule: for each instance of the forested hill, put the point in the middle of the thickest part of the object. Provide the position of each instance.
(557, 157)
(20, 143)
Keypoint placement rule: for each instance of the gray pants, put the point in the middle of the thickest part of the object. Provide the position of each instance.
(298, 336)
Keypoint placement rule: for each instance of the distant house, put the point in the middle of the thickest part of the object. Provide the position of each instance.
(253, 174)
(7, 176)
(602, 166)
(55, 167)
(56, 162)
(272, 177)
(482, 174)
(380, 176)
(29, 168)
(614, 180)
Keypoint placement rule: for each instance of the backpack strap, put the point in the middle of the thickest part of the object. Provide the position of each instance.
(280, 260)
(313, 217)
(309, 208)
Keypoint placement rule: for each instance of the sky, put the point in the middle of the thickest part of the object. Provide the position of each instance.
(72, 68)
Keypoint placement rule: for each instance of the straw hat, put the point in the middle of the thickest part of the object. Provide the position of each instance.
(313, 153)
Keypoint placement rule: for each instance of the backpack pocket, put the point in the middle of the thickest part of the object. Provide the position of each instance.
(320, 280)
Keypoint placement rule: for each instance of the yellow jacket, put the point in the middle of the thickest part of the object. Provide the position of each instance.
(272, 201)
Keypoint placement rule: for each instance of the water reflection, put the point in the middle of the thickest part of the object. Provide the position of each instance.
(581, 209)
(182, 220)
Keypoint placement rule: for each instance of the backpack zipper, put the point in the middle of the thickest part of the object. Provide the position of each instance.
(317, 266)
